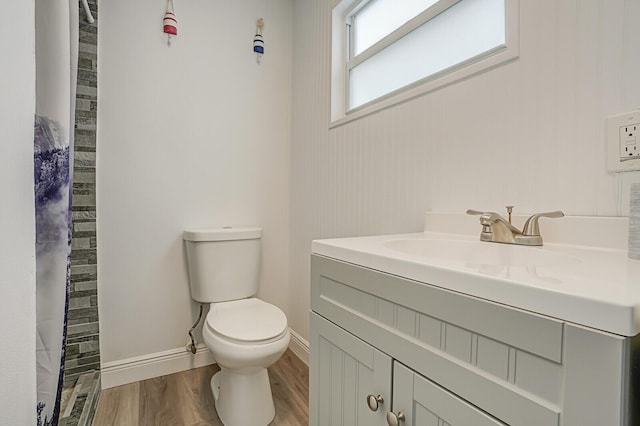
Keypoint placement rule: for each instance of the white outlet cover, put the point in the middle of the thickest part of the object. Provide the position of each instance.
(613, 125)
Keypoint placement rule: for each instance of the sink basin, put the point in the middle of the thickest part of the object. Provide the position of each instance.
(581, 275)
(480, 253)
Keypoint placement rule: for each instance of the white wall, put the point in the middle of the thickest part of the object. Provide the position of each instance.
(17, 250)
(530, 133)
(192, 135)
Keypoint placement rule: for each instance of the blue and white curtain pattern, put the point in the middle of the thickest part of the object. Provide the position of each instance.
(56, 69)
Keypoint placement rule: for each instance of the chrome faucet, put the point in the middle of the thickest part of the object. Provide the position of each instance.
(497, 229)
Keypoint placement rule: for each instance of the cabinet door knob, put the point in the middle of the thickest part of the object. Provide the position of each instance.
(374, 402)
(394, 419)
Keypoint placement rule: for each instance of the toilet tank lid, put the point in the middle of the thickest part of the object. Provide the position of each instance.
(227, 233)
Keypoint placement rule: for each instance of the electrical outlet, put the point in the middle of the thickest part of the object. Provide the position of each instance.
(629, 142)
(623, 142)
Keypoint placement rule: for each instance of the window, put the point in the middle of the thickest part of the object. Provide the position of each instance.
(387, 51)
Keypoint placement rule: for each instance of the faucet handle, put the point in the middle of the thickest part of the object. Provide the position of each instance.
(531, 227)
(487, 233)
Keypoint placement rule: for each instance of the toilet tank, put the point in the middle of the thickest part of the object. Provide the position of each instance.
(223, 263)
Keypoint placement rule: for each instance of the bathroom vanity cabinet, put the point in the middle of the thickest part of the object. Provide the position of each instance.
(445, 358)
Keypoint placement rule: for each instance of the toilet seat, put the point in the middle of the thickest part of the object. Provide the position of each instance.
(247, 321)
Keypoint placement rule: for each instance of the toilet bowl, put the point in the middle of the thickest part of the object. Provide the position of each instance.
(245, 337)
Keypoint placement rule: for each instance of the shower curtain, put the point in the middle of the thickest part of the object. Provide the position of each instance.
(56, 29)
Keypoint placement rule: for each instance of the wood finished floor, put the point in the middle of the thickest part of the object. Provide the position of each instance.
(184, 399)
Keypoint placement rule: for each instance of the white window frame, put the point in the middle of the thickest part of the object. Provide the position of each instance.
(342, 60)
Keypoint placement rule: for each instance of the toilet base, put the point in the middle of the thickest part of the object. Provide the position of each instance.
(243, 399)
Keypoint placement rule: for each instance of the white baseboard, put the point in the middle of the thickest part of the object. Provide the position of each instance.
(121, 372)
(299, 347)
(144, 367)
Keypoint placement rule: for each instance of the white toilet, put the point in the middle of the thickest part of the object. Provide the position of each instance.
(244, 334)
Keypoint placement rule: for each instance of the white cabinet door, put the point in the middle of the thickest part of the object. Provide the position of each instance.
(344, 370)
(424, 403)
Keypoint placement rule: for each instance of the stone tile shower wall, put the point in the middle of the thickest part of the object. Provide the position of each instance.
(83, 349)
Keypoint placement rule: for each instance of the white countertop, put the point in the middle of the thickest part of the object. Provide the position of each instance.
(594, 287)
